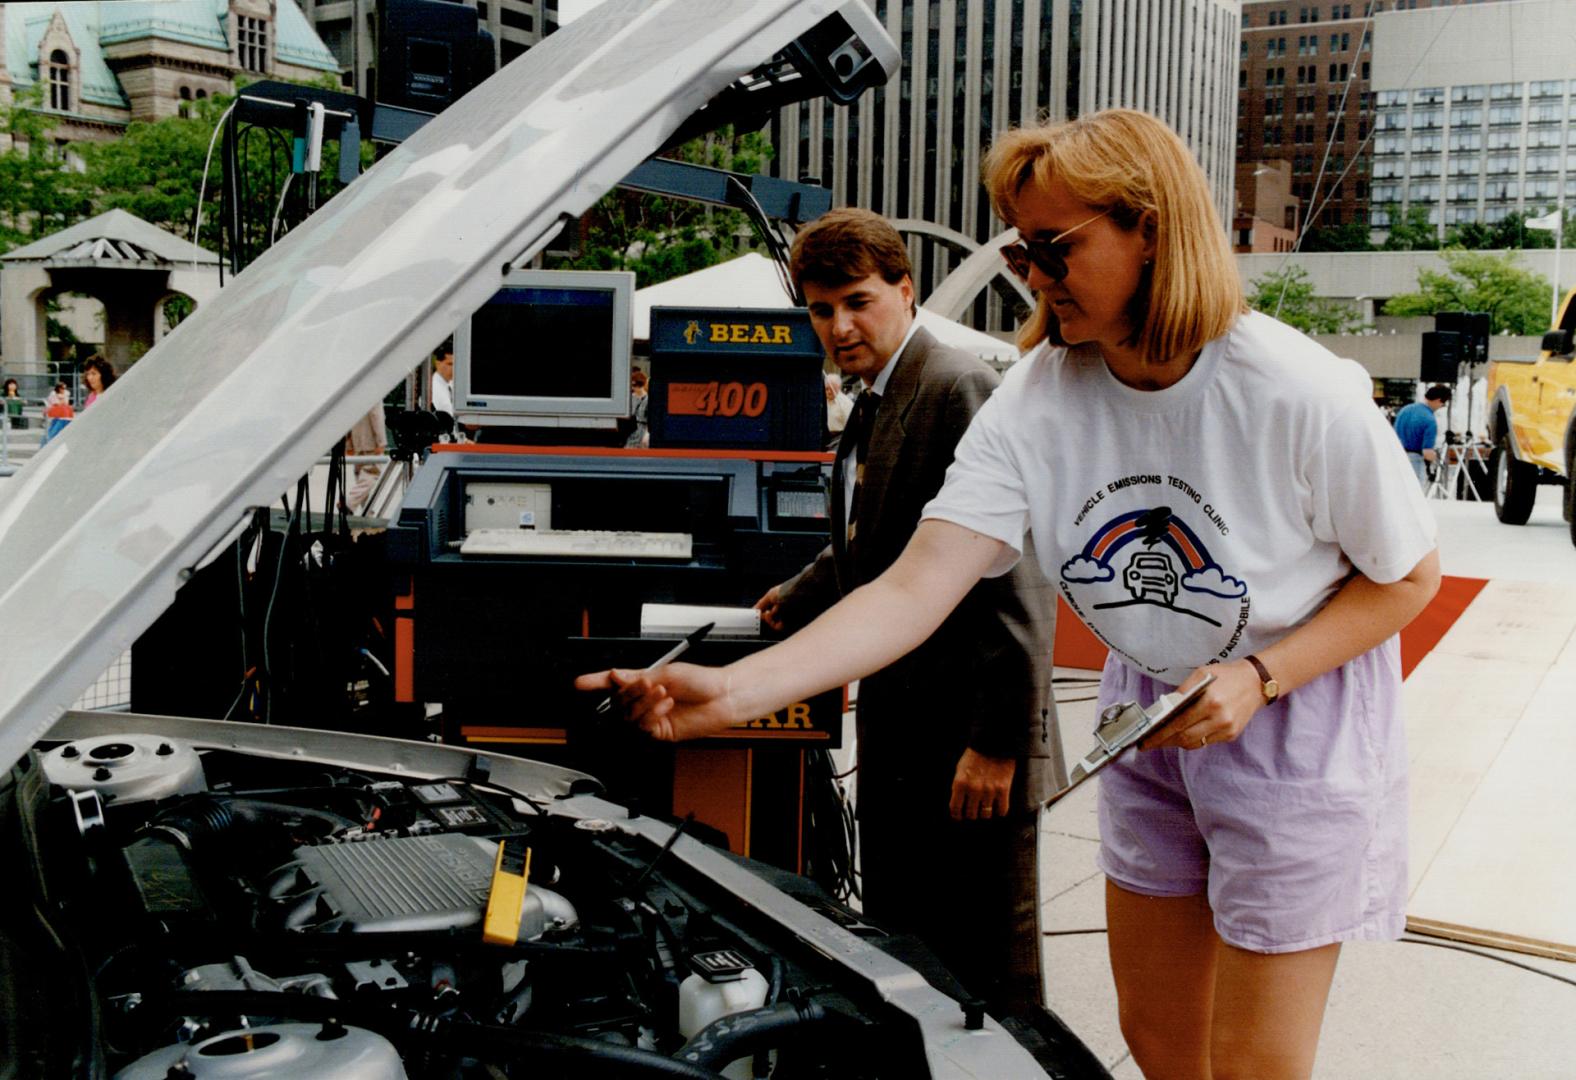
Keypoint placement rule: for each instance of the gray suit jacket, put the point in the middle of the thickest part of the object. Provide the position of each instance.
(983, 679)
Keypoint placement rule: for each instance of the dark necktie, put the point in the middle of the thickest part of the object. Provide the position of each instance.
(860, 423)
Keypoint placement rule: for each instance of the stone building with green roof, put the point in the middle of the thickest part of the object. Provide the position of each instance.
(98, 66)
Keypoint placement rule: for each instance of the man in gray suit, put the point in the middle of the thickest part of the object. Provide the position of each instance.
(957, 740)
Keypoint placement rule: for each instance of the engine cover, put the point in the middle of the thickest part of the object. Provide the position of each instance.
(437, 882)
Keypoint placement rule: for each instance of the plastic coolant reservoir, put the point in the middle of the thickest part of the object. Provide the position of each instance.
(724, 983)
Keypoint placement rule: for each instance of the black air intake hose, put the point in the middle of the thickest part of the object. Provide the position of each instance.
(209, 817)
(742, 1034)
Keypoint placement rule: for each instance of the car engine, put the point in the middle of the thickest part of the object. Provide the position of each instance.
(226, 914)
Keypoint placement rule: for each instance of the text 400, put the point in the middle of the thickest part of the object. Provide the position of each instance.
(731, 399)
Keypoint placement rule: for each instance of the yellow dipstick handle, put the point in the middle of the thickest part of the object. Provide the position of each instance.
(507, 897)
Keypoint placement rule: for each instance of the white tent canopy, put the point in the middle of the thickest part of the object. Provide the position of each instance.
(751, 281)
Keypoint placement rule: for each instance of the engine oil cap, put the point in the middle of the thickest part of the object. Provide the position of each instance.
(720, 965)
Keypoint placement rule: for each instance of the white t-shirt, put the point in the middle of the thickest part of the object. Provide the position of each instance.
(442, 394)
(1201, 522)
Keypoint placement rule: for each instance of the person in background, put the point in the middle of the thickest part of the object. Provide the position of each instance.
(98, 376)
(57, 411)
(838, 407)
(1215, 495)
(640, 404)
(369, 436)
(442, 392)
(1417, 427)
(14, 403)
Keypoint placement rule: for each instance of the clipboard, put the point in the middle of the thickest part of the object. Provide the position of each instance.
(1123, 725)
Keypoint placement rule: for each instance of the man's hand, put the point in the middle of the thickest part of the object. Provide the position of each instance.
(1219, 715)
(678, 702)
(981, 787)
(770, 607)
(1430, 456)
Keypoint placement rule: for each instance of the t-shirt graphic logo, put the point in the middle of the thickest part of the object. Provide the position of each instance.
(1170, 569)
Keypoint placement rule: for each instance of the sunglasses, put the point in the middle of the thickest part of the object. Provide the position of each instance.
(1048, 256)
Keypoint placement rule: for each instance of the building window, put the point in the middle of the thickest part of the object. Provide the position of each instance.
(518, 20)
(251, 43)
(59, 81)
(184, 107)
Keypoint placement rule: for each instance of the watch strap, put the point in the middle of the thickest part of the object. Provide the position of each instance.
(1268, 684)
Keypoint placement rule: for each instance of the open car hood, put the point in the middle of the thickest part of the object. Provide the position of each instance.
(100, 529)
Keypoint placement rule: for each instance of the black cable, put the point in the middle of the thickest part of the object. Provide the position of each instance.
(678, 831)
(1454, 947)
(1487, 956)
(273, 596)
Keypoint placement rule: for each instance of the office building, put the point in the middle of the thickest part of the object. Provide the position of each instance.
(1303, 98)
(911, 149)
(1476, 112)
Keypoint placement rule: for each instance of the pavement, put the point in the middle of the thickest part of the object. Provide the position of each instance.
(1492, 748)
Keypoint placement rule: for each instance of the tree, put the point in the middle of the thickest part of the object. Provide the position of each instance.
(660, 237)
(1288, 295)
(39, 192)
(1412, 232)
(1352, 236)
(1515, 298)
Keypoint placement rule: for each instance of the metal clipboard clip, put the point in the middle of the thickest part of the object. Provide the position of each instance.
(1123, 725)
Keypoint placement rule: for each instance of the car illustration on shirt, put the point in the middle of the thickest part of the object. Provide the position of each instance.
(1150, 576)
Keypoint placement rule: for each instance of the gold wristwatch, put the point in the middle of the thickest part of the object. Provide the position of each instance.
(1270, 687)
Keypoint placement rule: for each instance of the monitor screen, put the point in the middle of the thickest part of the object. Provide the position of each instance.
(552, 347)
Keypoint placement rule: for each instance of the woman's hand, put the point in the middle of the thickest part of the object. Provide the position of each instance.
(1219, 715)
(681, 701)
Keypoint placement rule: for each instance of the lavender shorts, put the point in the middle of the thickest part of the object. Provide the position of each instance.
(1297, 830)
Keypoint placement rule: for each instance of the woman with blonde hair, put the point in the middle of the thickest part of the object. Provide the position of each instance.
(1213, 493)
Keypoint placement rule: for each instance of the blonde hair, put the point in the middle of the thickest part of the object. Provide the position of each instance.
(1134, 167)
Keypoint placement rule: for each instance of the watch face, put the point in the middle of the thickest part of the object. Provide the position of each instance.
(1272, 689)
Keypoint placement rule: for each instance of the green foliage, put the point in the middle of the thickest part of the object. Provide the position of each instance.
(1352, 236)
(39, 193)
(1288, 295)
(1411, 231)
(1510, 232)
(661, 238)
(176, 310)
(155, 170)
(1516, 299)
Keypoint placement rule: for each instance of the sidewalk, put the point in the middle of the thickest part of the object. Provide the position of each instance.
(1493, 749)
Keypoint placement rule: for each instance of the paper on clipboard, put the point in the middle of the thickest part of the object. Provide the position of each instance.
(1121, 726)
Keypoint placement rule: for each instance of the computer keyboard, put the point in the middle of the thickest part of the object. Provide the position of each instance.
(579, 544)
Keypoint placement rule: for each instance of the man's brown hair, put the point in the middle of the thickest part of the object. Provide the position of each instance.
(846, 245)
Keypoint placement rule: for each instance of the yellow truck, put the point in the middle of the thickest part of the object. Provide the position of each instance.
(1532, 423)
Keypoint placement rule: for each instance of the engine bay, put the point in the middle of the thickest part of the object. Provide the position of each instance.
(228, 914)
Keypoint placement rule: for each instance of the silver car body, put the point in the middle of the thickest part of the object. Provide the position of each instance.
(100, 529)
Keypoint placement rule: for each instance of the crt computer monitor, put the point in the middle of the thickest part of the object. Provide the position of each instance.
(550, 349)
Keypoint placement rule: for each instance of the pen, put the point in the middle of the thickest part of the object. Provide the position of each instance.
(665, 659)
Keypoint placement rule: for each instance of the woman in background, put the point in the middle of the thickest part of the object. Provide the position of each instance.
(99, 377)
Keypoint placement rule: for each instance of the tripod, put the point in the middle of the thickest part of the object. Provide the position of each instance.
(1453, 473)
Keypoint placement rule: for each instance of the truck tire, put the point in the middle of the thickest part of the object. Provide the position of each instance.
(1515, 485)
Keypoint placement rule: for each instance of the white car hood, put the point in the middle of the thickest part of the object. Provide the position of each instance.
(98, 531)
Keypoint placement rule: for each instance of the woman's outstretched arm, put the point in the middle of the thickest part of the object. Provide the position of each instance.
(869, 629)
